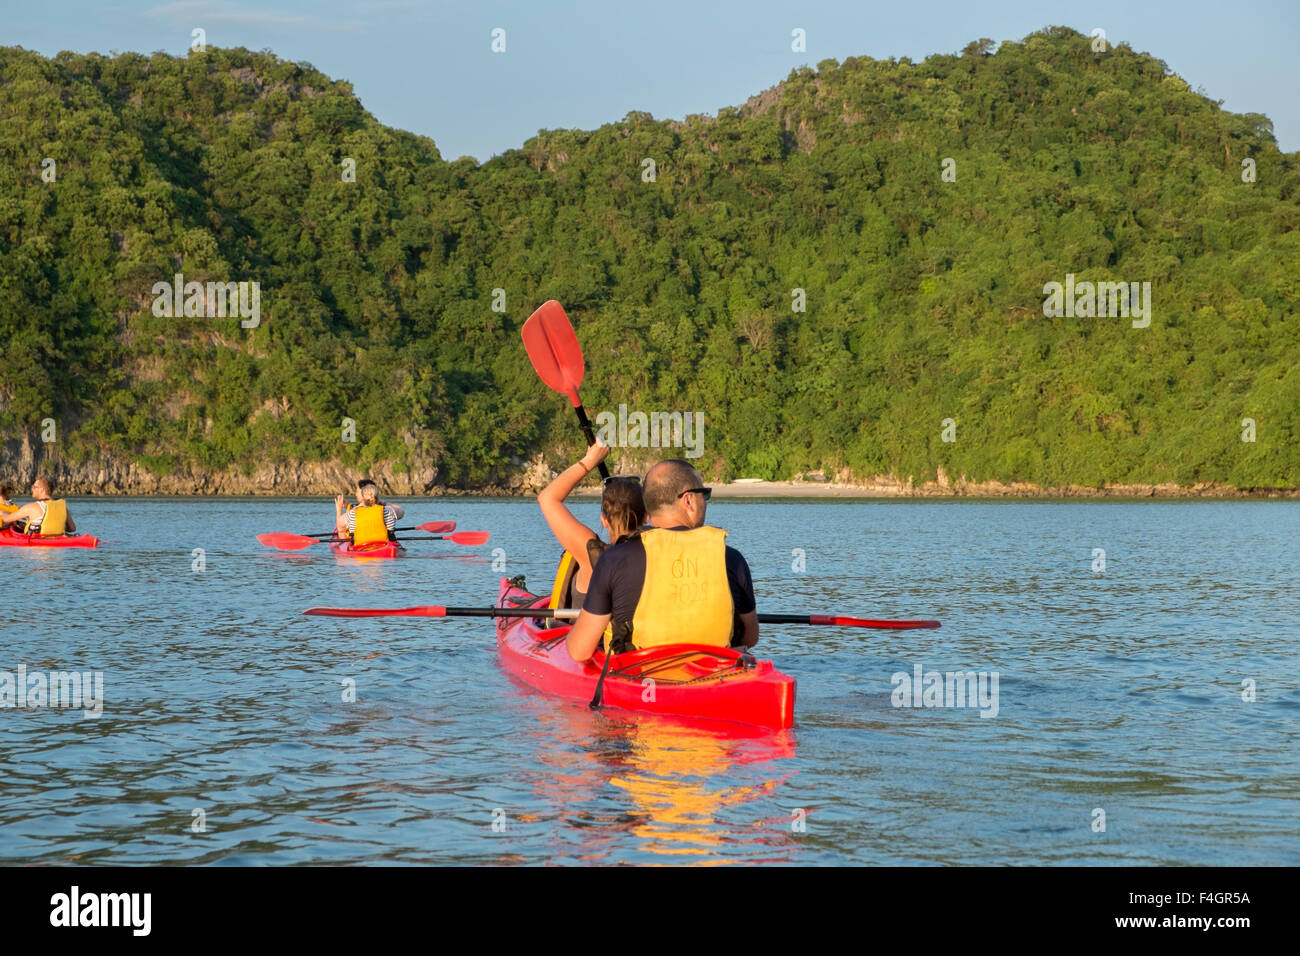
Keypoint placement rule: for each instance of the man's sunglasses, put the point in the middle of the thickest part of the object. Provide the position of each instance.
(706, 492)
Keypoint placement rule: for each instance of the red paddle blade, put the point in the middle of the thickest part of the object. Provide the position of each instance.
(285, 541)
(867, 622)
(469, 537)
(438, 527)
(427, 611)
(553, 349)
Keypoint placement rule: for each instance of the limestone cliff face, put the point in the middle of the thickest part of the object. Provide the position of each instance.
(23, 460)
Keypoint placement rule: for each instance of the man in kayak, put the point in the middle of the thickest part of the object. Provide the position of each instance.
(376, 518)
(45, 515)
(674, 583)
(622, 511)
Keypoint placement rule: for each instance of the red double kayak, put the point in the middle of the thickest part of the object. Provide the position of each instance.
(682, 680)
(381, 549)
(12, 539)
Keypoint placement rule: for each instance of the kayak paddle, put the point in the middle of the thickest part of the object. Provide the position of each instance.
(837, 621)
(434, 610)
(433, 527)
(570, 613)
(284, 541)
(460, 537)
(556, 355)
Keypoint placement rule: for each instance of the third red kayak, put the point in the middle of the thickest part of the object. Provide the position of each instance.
(12, 539)
(683, 680)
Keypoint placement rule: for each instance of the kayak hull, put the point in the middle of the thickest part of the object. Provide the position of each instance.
(384, 549)
(680, 680)
(11, 539)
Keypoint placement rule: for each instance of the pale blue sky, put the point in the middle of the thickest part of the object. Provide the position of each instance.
(427, 66)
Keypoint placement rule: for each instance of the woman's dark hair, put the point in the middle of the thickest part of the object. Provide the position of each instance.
(623, 507)
(6, 490)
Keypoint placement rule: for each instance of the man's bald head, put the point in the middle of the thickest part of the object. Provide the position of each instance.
(42, 487)
(664, 484)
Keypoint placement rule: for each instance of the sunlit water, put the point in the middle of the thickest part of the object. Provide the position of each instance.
(1119, 691)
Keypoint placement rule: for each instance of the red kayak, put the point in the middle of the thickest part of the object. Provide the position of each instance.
(12, 539)
(681, 680)
(381, 549)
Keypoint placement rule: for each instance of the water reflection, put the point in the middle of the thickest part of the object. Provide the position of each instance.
(676, 787)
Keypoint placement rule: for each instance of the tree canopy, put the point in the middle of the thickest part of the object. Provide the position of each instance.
(918, 210)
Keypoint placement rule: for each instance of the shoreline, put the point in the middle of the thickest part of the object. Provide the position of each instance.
(520, 479)
(986, 490)
(806, 490)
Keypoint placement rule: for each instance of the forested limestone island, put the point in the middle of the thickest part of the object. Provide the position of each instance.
(850, 274)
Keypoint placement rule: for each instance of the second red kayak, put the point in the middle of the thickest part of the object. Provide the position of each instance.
(12, 539)
(682, 680)
(382, 549)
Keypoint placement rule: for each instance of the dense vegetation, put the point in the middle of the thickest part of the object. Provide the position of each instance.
(924, 297)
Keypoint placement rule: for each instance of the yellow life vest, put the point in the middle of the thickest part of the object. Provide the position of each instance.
(562, 589)
(8, 509)
(369, 527)
(56, 518)
(685, 598)
(566, 576)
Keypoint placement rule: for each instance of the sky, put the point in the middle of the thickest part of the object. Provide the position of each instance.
(429, 66)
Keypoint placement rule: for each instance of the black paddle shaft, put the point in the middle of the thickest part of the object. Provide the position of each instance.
(331, 534)
(543, 612)
(590, 435)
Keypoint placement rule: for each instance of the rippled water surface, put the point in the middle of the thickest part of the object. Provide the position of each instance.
(1119, 691)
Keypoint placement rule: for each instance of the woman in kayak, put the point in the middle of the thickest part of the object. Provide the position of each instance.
(46, 515)
(345, 521)
(622, 511)
(7, 506)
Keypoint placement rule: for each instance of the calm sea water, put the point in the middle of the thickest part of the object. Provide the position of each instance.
(1118, 691)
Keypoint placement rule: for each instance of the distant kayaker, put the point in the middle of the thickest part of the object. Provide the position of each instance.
(46, 515)
(371, 521)
(622, 511)
(7, 506)
(674, 583)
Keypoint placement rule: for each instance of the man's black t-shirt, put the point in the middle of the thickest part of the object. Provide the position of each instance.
(615, 586)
